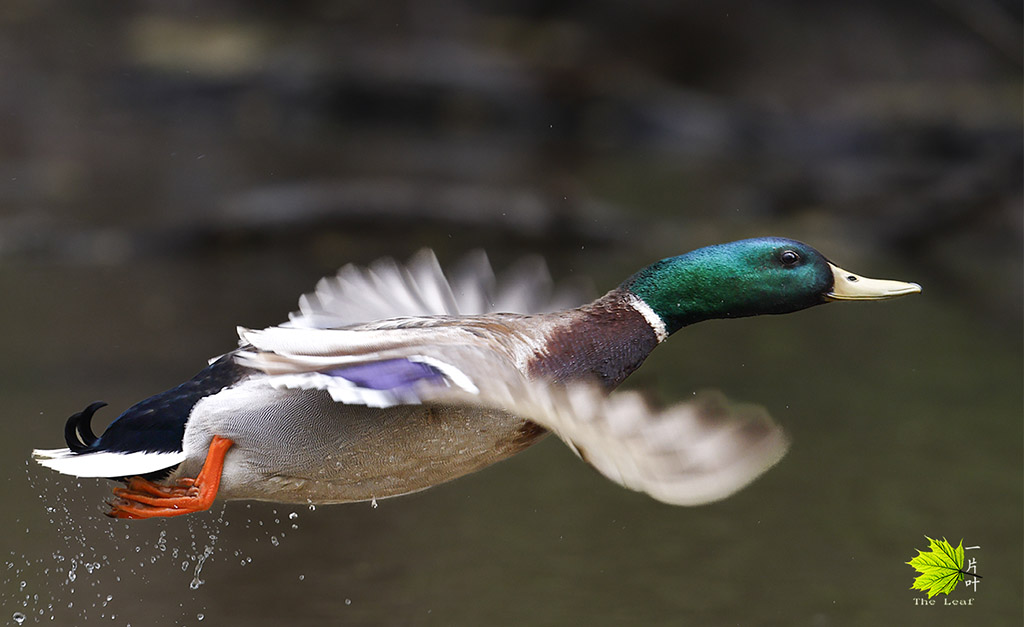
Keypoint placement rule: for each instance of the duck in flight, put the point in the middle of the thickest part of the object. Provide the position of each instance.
(391, 379)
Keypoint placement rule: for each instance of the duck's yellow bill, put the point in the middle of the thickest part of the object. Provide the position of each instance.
(849, 286)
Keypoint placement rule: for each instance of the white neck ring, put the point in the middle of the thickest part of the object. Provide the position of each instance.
(653, 319)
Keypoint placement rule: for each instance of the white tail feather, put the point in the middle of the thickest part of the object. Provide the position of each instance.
(106, 463)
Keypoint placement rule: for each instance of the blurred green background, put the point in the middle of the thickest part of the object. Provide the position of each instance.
(171, 170)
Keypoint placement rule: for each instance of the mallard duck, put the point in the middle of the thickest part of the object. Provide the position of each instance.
(391, 380)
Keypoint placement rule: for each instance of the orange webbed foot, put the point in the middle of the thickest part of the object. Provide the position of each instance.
(141, 498)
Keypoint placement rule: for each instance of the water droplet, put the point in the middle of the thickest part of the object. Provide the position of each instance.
(274, 540)
(373, 503)
(302, 577)
(200, 616)
(293, 515)
(18, 617)
(348, 601)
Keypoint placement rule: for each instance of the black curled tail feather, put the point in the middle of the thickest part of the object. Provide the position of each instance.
(78, 430)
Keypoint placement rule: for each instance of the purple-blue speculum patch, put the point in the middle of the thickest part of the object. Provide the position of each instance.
(388, 375)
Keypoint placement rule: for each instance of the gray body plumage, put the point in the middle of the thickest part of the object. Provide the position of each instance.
(300, 446)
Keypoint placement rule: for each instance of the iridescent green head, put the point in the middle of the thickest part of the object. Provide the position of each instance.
(767, 275)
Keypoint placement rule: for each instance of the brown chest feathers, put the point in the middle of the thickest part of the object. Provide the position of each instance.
(603, 341)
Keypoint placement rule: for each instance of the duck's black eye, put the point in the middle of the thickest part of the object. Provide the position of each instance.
(789, 257)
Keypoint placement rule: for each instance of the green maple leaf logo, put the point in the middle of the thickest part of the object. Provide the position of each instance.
(941, 567)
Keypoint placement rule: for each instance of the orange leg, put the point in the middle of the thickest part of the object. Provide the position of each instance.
(144, 499)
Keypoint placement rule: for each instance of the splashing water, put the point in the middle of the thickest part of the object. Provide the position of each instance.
(95, 565)
(200, 561)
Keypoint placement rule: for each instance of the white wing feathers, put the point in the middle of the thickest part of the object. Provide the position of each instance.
(282, 350)
(385, 290)
(688, 454)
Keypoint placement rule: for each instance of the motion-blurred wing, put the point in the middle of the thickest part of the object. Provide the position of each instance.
(688, 454)
(385, 290)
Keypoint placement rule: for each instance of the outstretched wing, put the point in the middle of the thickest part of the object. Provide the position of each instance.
(385, 290)
(688, 454)
(402, 316)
